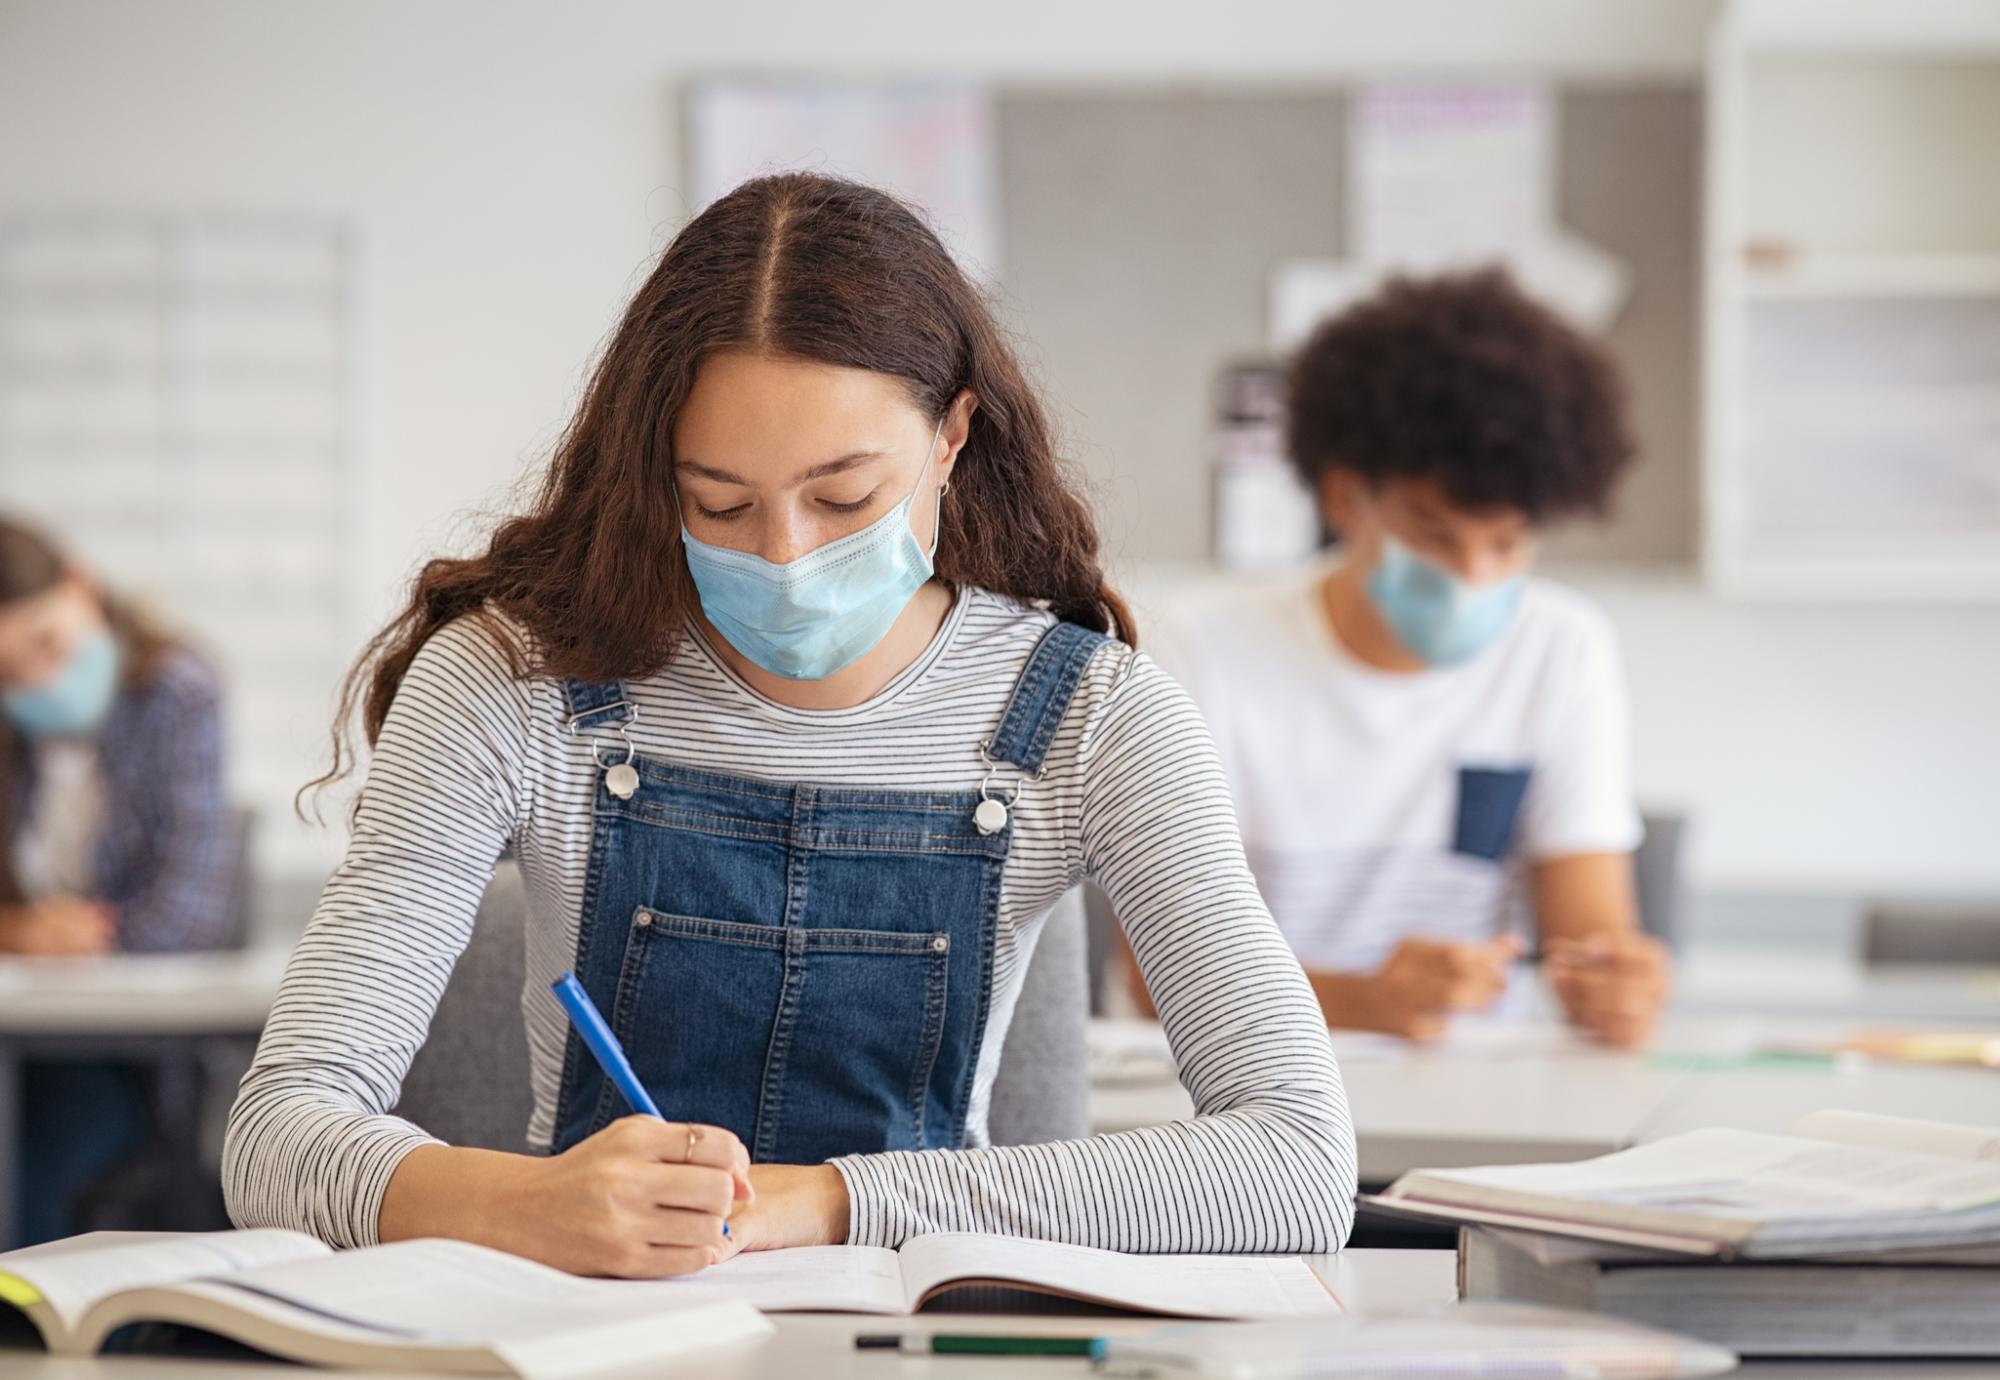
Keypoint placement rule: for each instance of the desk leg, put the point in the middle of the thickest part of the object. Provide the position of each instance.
(10, 1145)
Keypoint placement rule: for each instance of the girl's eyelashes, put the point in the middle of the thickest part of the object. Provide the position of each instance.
(854, 507)
(728, 514)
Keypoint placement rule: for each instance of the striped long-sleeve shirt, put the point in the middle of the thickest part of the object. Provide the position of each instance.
(472, 760)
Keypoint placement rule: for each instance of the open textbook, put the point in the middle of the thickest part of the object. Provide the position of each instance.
(930, 1269)
(1842, 1184)
(450, 1306)
(413, 1305)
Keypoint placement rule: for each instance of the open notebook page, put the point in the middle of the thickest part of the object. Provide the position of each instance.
(826, 1279)
(69, 1281)
(1201, 1286)
(440, 1290)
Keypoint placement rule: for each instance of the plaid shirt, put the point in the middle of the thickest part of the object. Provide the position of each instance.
(167, 859)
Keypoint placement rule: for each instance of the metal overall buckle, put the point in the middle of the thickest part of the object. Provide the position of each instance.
(620, 778)
(990, 816)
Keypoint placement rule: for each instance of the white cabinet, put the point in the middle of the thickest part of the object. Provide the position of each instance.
(1852, 317)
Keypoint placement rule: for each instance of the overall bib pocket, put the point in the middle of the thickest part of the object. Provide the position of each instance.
(849, 1023)
(809, 965)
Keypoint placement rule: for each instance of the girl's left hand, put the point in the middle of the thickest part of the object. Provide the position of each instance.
(796, 1205)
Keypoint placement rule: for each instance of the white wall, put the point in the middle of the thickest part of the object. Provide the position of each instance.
(514, 164)
(1815, 747)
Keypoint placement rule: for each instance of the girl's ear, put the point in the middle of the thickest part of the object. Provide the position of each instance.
(957, 427)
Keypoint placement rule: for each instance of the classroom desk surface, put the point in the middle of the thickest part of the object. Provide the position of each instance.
(139, 994)
(1523, 1092)
(1784, 983)
(822, 1344)
(1498, 1097)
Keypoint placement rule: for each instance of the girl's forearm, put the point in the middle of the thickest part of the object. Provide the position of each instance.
(482, 1196)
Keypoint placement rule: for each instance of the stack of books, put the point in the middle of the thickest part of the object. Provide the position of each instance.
(1853, 1236)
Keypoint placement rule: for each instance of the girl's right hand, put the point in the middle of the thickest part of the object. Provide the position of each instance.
(639, 1200)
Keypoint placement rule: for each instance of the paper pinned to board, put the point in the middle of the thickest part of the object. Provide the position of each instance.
(1444, 178)
(930, 143)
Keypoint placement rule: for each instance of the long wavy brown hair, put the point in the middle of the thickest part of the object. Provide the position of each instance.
(799, 266)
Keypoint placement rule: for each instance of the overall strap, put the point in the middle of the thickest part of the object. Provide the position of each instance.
(597, 706)
(1041, 696)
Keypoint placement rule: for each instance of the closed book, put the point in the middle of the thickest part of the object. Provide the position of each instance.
(1885, 1305)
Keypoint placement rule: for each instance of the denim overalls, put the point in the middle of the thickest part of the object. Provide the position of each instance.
(809, 966)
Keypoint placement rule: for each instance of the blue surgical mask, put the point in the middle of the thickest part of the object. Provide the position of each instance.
(1439, 618)
(76, 700)
(808, 618)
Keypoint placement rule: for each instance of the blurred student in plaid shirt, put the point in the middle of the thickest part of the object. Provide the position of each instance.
(117, 828)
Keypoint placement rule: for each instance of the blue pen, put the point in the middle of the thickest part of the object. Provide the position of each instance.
(604, 1046)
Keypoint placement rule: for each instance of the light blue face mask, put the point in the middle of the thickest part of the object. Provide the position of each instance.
(808, 618)
(77, 699)
(1438, 617)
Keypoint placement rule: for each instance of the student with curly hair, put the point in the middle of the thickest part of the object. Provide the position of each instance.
(1419, 733)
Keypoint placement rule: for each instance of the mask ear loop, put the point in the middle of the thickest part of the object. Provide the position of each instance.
(937, 517)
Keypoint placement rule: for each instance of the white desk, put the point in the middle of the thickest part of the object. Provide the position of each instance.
(125, 1006)
(1467, 1102)
(1835, 986)
(1494, 1093)
(822, 1345)
(1772, 1099)
(139, 994)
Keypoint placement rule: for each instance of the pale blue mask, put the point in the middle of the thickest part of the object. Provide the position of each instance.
(75, 701)
(1438, 617)
(808, 618)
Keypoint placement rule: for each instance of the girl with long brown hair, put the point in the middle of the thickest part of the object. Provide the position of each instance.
(800, 697)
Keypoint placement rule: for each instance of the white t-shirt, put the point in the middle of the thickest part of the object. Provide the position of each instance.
(1378, 805)
(55, 847)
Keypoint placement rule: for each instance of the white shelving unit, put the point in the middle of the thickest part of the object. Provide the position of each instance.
(1851, 336)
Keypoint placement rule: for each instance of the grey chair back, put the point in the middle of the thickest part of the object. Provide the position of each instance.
(237, 932)
(1656, 871)
(1042, 1090)
(1937, 931)
(469, 1083)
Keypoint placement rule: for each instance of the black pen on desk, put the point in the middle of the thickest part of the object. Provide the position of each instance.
(974, 1344)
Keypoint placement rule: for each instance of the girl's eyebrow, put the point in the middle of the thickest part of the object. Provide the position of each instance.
(819, 471)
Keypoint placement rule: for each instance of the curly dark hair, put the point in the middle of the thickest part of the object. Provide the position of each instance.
(1462, 380)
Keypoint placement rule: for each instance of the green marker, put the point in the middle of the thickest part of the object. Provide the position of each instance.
(989, 1344)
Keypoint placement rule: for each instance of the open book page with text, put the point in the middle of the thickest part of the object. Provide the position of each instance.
(70, 1281)
(441, 1290)
(1195, 1286)
(800, 1279)
(433, 1305)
